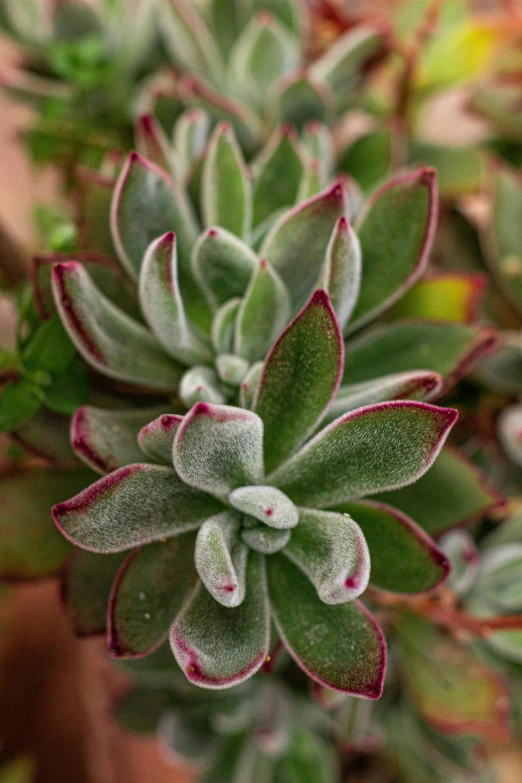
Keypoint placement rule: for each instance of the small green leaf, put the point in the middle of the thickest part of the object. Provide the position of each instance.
(227, 191)
(299, 99)
(276, 174)
(223, 265)
(201, 384)
(300, 379)
(453, 492)
(218, 448)
(420, 385)
(340, 647)
(148, 593)
(231, 368)
(19, 401)
(107, 338)
(190, 138)
(263, 313)
(399, 223)
(223, 326)
(70, 390)
(421, 565)
(370, 450)
(341, 274)
(296, 245)
(156, 438)
(163, 306)
(498, 579)
(267, 504)
(266, 540)
(310, 760)
(218, 647)
(317, 142)
(249, 385)
(132, 506)
(86, 588)
(107, 439)
(331, 550)
(221, 558)
(50, 349)
(505, 256)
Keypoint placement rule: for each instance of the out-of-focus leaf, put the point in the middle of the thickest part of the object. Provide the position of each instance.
(450, 297)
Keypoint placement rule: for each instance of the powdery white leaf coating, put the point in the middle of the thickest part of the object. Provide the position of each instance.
(223, 265)
(373, 449)
(411, 385)
(219, 448)
(341, 274)
(107, 338)
(156, 438)
(231, 369)
(267, 504)
(339, 646)
(162, 304)
(221, 558)
(266, 540)
(107, 439)
(218, 647)
(331, 550)
(130, 507)
(201, 384)
(223, 325)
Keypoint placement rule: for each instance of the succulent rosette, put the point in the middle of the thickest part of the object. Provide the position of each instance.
(283, 532)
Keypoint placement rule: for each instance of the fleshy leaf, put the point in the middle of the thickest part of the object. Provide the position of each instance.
(341, 275)
(370, 450)
(107, 338)
(310, 184)
(146, 205)
(453, 689)
(152, 142)
(249, 385)
(227, 190)
(148, 593)
(505, 251)
(396, 234)
(454, 297)
(218, 647)
(413, 385)
(299, 99)
(263, 313)
(447, 349)
(453, 492)
(231, 368)
(223, 326)
(106, 439)
(218, 448)
(317, 142)
(190, 138)
(201, 384)
(223, 265)
(510, 432)
(276, 174)
(30, 545)
(340, 647)
(498, 580)
(300, 379)
(86, 588)
(331, 550)
(296, 245)
(221, 558)
(130, 507)
(162, 303)
(404, 559)
(265, 540)
(156, 438)
(267, 504)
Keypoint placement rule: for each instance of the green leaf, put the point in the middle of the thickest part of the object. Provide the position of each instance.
(370, 450)
(107, 338)
(412, 385)
(299, 380)
(221, 558)
(130, 507)
(368, 159)
(223, 326)
(265, 52)
(19, 401)
(453, 296)
(310, 760)
(218, 647)
(447, 349)
(249, 385)
(223, 265)
(454, 691)
(299, 99)
(152, 142)
(201, 384)
(399, 224)
(296, 245)
(148, 593)
(262, 315)
(498, 579)
(331, 550)
(86, 588)
(156, 438)
(162, 304)
(50, 349)
(107, 439)
(505, 246)
(190, 138)
(227, 191)
(421, 565)
(340, 647)
(70, 390)
(218, 448)
(453, 492)
(276, 174)
(30, 545)
(317, 142)
(231, 368)
(502, 370)
(460, 170)
(267, 504)
(341, 275)
(266, 540)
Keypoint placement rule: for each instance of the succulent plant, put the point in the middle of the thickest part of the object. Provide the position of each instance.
(254, 485)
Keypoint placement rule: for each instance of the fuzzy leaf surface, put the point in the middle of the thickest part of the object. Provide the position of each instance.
(221, 558)
(223, 265)
(267, 504)
(156, 438)
(412, 385)
(341, 276)
(86, 588)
